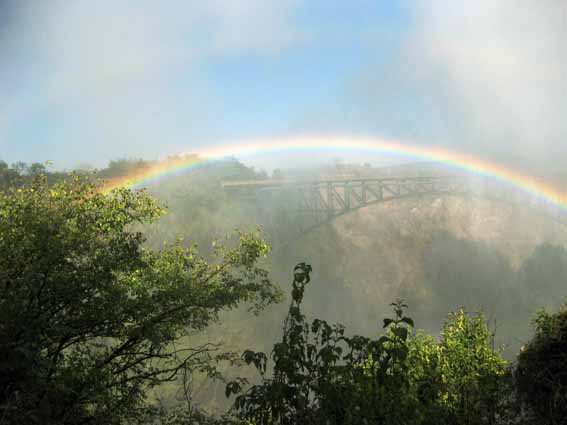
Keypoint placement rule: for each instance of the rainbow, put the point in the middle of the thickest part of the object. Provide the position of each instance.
(538, 188)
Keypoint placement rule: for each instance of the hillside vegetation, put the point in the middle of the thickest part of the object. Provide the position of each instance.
(103, 323)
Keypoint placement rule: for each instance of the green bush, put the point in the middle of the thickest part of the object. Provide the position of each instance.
(541, 371)
(322, 376)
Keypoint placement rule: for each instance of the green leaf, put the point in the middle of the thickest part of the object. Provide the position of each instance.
(232, 388)
(401, 352)
(400, 332)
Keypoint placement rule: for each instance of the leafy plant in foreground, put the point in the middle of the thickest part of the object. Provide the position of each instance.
(541, 371)
(322, 376)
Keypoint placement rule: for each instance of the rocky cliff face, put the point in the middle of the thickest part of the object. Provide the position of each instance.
(438, 254)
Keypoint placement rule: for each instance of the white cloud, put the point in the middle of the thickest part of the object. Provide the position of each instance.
(485, 76)
(506, 63)
(118, 61)
(85, 44)
(259, 25)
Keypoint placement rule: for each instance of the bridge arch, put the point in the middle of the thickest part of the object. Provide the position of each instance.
(316, 203)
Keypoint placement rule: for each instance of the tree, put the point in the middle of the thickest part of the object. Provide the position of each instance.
(541, 371)
(89, 317)
(472, 371)
(321, 376)
(7, 175)
(36, 169)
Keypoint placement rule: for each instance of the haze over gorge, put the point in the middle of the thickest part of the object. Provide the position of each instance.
(283, 212)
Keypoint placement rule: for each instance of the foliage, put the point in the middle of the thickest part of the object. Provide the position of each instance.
(124, 167)
(182, 415)
(89, 317)
(78, 282)
(322, 376)
(472, 371)
(541, 371)
(20, 173)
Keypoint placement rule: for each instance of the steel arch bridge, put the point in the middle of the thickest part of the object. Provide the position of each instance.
(314, 203)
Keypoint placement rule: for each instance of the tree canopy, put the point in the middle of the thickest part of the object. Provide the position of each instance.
(89, 316)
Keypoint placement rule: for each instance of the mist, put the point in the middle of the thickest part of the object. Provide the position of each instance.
(113, 90)
(485, 77)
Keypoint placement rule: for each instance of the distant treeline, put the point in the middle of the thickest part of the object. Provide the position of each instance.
(20, 173)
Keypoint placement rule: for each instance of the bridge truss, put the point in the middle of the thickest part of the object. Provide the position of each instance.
(310, 204)
(323, 201)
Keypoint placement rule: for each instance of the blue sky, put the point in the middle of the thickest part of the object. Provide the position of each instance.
(87, 82)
